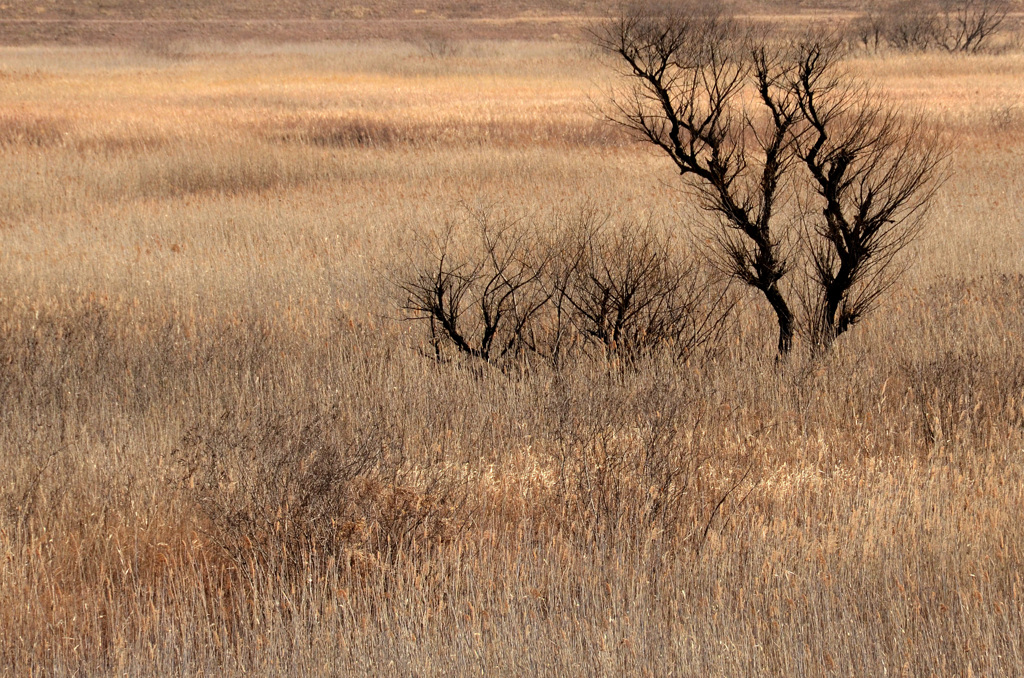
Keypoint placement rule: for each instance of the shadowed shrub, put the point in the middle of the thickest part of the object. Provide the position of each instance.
(277, 485)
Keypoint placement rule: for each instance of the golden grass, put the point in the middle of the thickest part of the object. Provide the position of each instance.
(226, 453)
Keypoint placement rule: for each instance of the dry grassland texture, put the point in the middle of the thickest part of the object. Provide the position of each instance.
(346, 9)
(162, 22)
(224, 452)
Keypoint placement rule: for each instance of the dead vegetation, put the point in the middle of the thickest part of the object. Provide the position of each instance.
(552, 291)
(818, 173)
(385, 132)
(225, 452)
(32, 130)
(955, 26)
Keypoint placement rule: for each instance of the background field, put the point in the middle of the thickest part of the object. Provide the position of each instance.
(161, 21)
(226, 453)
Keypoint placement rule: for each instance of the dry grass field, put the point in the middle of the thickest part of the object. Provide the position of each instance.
(225, 452)
(148, 22)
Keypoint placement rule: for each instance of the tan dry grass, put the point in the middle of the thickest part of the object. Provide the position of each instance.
(195, 319)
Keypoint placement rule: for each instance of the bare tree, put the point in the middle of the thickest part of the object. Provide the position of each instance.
(688, 76)
(969, 25)
(873, 176)
(916, 25)
(750, 124)
(870, 29)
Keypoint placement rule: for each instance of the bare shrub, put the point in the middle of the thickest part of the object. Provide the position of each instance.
(506, 291)
(685, 77)
(911, 25)
(751, 125)
(478, 299)
(629, 291)
(438, 43)
(965, 26)
(277, 485)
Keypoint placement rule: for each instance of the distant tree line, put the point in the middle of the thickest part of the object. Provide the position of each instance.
(961, 26)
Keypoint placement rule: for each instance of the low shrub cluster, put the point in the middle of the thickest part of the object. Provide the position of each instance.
(495, 289)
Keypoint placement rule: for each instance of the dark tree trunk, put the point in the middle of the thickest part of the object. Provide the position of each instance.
(785, 317)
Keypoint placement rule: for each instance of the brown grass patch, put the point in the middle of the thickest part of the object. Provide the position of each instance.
(35, 131)
(367, 132)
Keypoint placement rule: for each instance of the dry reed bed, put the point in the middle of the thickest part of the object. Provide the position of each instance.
(226, 454)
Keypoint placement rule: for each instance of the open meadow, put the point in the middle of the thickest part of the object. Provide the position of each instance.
(226, 451)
